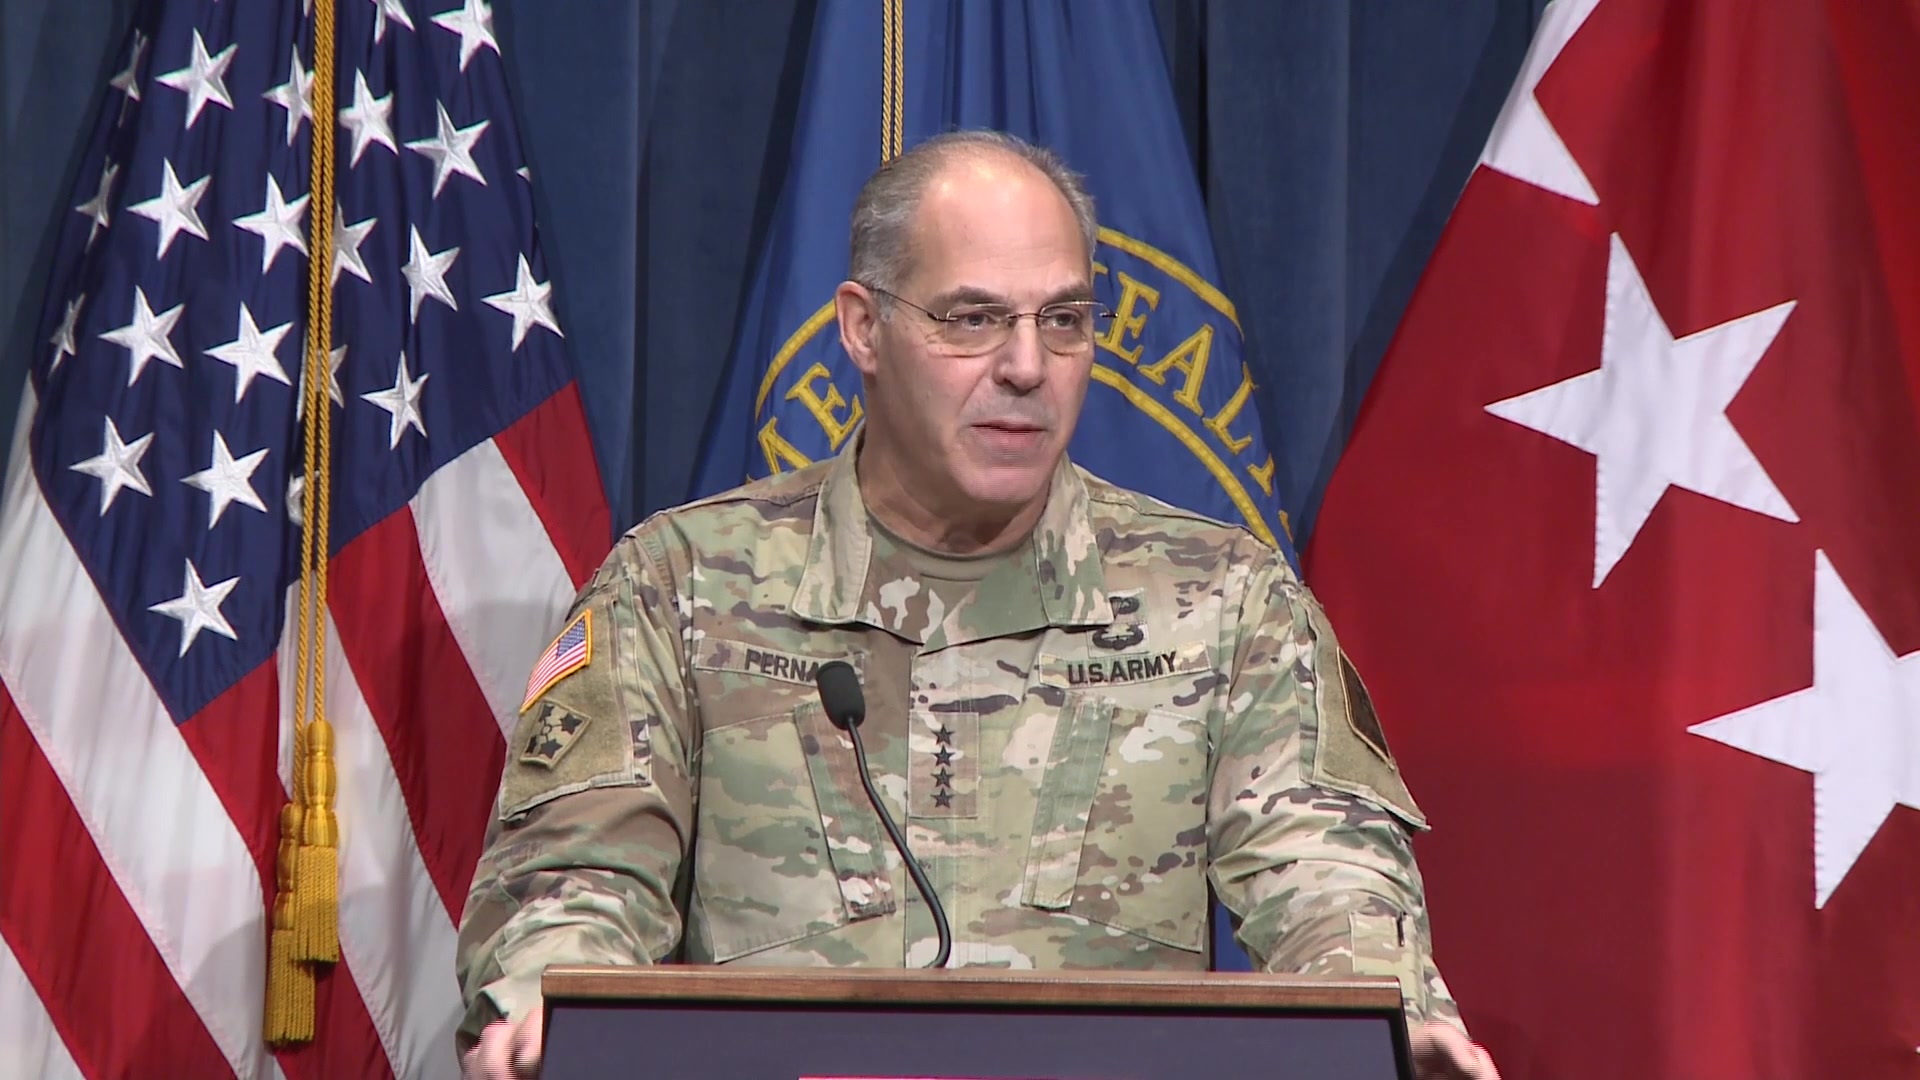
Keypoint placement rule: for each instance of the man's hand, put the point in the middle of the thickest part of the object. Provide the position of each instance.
(1442, 1053)
(507, 1050)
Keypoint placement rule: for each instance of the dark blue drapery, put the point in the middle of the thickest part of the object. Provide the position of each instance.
(1330, 140)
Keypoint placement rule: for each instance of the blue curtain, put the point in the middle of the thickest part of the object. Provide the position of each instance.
(1331, 141)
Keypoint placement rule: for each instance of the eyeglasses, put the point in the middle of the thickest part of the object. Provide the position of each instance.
(1067, 327)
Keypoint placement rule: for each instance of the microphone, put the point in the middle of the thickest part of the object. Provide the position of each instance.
(846, 706)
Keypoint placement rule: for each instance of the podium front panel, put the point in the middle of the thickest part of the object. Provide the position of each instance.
(755, 1035)
(737, 1043)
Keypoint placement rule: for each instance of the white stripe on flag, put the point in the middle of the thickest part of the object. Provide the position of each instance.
(394, 931)
(29, 1045)
(500, 583)
(186, 873)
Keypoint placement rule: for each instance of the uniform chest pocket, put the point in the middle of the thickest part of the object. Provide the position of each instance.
(783, 851)
(1119, 832)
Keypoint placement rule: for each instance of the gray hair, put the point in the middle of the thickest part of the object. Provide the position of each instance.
(881, 255)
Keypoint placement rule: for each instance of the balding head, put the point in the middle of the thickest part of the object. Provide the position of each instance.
(882, 240)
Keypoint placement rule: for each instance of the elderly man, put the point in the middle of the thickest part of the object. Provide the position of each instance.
(1085, 705)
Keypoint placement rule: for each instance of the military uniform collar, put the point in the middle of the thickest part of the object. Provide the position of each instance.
(833, 585)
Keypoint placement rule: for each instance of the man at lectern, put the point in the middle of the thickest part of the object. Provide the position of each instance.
(1083, 706)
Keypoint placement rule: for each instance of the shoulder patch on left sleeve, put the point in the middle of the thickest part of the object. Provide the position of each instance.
(1360, 713)
(1352, 753)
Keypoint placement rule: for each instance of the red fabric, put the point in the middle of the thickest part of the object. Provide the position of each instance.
(1613, 896)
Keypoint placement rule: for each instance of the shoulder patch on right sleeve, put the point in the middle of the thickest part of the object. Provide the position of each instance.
(570, 651)
(573, 733)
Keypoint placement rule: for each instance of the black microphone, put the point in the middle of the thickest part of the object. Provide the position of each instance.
(846, 706)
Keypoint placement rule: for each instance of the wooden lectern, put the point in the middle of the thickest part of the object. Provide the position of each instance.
(758, 1023)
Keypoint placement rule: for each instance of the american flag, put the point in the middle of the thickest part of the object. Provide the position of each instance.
(150, 552)
(568, 653)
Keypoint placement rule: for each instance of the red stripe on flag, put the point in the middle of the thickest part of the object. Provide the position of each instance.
(105, 987)
(551, 453)
(344, 1042)
(236, 740)
(439, 729)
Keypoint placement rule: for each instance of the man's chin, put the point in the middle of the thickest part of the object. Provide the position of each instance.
(1009, 487)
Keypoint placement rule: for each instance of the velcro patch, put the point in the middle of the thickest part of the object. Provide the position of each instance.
(1189, 659)
(718, 654)
(570, 651)
(554, 733)
(1360, 711)
(1352, 753)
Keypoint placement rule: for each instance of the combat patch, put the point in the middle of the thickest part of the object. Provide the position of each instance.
(1360, 711)
(1352, 753)
(571, 650)
(718, 654)
(1188, 659)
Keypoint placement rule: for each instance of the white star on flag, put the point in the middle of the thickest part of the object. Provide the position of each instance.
(1654, 413)
(1524, 143)
(296, 501)
(333, 384)
(117, 465)
(426, 274)
(128, 80)
(198, 608)
(389, 9)
(100, 207)
(451, 150)
(1856, 729)
(346, 246)
(368, 118)
(474, 23)
(227, 480)
(278, 224)
(63, 338)
(402, 402)
(147, 337)
(295, 95)
(203, 79)
(253, 352)
(530, 303)
(175, 209)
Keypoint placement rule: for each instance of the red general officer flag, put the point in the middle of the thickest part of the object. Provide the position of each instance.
(1627, 543)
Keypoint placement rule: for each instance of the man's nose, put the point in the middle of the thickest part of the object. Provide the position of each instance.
(1022, 363)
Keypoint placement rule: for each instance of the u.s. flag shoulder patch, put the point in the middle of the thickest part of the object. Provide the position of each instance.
(570, 652)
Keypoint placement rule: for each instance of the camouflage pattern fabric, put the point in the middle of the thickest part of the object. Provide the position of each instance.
(1138, 704)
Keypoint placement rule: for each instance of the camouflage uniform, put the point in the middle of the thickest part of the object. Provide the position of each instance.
(1135, 704)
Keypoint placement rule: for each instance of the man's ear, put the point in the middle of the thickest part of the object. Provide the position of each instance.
(858, 311)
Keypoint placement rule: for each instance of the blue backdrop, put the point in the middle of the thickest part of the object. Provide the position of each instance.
(1330, 141)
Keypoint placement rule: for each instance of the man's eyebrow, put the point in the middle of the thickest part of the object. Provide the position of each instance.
(1081, 291)
(964, 294)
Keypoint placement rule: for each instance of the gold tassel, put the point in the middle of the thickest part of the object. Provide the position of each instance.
(317, 890)
(306, 906)
(290, 989)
